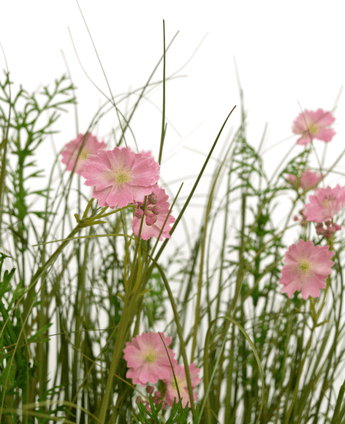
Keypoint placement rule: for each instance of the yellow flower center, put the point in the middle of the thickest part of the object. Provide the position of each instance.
(83, 154)
(179, 381)
(150, 357)
(313, 128)
(304, 265)
(121, 175)
(326, 203)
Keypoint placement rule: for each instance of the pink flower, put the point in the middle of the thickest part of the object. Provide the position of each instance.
(313, 125)
(147, 358)
(156, 211)
(70, 153)
(326, 203)
(306, 268)
(120, 176)
(308, 179)
(171, 391)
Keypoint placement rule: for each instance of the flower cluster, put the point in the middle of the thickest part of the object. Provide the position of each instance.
(329, 231)
(155, 213)
(306, 265)
(148, 362)
(121, 177)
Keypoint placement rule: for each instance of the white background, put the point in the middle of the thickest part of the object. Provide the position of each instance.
(285, 52)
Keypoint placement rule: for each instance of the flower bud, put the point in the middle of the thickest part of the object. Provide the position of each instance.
(138, 213)
(150, 389)
(151, 199)
(150, 219)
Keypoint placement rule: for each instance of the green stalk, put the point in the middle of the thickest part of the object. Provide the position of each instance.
(4, 146)
(300, 369)
(208, 211)
(117, 353)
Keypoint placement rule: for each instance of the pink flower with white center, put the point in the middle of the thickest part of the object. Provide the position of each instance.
(307, 267)
(171, 391)
(147, 358)
(326, 203)
(70, 154)
(120, 176)
(307, 181)
(156, 211)
(313, 125)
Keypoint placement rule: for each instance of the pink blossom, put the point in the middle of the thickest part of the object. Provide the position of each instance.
(308, 179)
(70, 153)
(171, 391)
(326, 203)
(156, 211)
(147, 358)
(306, 268)
(120, 176)
(313, 125)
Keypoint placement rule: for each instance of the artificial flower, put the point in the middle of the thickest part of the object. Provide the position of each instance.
(307, 267)
(171, 391)
(120, 176)
(326, 203)
(88, 144)
(312, 125)
(147, 358)
(308, 179)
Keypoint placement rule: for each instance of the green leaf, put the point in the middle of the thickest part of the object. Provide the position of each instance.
(19, 291)
(39, 333)
(8, 371)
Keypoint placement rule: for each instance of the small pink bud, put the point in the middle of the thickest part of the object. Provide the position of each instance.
(295, 218)
(328, 223)
(332, 229)
(138, 213)
(151, 199)
(150, 389)
(151, 219)
(137, 399)
(320, 230)
(156, 209)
